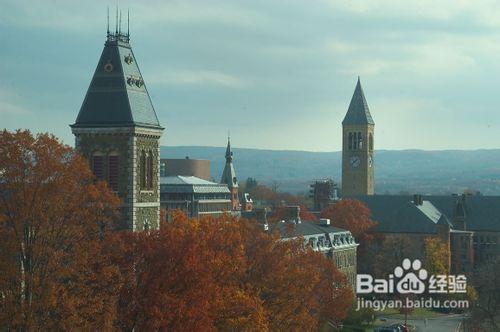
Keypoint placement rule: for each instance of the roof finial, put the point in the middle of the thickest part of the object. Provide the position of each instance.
(120, 23)
(107, 30)
(128, 22)
(116, 21)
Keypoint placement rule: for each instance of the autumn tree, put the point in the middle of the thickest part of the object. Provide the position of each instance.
(283, 213)
(392, 251)
(486, 310)
(436, 258)
(224, 274)
(354, 216)
(52, 219)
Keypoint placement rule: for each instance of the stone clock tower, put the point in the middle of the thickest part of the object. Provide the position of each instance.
(118, 131)
(357, 147)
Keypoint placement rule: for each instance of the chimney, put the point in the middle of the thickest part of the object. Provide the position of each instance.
(324, 222)
(293, 213)
(417, 199)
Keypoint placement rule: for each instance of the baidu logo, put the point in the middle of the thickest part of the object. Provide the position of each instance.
(408, 278)
(412, 277)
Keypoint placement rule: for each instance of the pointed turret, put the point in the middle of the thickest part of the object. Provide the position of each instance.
(358, 112)
(117, 95)
(229, 178)
(229, 175)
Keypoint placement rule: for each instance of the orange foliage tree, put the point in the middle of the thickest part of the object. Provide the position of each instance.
(354, 216)
(282, 213)
(224, 274)
(53, 275)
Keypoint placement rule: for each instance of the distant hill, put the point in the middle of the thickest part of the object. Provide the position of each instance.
(409, 171)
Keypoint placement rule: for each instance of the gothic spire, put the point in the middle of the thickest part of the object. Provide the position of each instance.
(229, 153)
(358, 112)
(229, 174)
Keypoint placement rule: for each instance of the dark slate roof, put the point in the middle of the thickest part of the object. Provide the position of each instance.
(304, 228)
(398, 214)
(229, 174)
(358, 112)
(117, 95)
(482, 213)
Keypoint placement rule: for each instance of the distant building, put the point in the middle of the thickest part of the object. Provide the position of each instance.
(336, 243)
(468, 225)
(323, 192)
(199, 168)
(118, 131)
(229, 178)
(358, 130)
(246, 202)
(194, 196)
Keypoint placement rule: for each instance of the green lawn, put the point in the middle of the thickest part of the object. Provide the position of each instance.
(418, 313)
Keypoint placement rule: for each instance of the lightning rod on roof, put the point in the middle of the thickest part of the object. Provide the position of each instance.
(108, 22)
(116, 21)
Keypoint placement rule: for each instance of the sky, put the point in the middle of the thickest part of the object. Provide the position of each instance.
(275, 74)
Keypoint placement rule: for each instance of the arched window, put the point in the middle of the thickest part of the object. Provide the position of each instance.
(350, 141)
(113, 170)
(150, 171)
(360, 141)
(143, 170)
(98, 165)
(371, 142)
(355, 143)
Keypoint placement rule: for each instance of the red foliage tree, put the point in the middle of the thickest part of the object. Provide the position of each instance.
(354, 216)
(224, 274)
(52, 218)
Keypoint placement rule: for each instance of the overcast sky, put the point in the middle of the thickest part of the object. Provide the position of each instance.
(277, 74)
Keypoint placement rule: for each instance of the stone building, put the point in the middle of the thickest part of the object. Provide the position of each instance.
(323, 192)
(336, 243)
(357, 147)
(118, 131)
(194, 196)
(229, 178)
(468, 225)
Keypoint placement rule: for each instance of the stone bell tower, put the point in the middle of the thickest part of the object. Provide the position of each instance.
(118, 131)
(357, 147)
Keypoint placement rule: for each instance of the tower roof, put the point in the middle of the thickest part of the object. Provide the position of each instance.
(117, 95)
(229, 174)
(358, 112)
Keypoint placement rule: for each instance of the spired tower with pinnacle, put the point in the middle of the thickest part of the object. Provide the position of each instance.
(229, 178)
(357, 147)
(118, 131)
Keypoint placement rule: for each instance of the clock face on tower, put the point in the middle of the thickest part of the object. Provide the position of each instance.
(354, 161)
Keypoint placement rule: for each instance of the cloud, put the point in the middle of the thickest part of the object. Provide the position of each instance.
(196, 77)
(484, 13)
(10, 104)
(80, 16)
